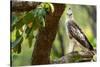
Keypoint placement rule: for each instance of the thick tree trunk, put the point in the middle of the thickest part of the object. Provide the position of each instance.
(46, 36)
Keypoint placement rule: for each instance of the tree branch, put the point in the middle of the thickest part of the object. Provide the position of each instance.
(20, 6)
(75, 57)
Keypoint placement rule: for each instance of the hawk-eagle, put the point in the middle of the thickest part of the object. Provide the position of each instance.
(75, 32)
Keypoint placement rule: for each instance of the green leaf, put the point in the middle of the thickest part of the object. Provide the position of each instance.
(27, 31)
(16, 45)
(28, 17)
(18, 34)
(30, 37)
(13, 35)
(48, 7)
(14, 18)
(51, 7)
(13, 21)
(40, 14)
(41, 21)
(30, 41)
(19, 48)
(16, 42)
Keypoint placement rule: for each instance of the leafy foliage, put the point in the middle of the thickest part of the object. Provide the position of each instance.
(27, 23)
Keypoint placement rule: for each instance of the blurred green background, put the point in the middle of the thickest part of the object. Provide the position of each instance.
(83, 17)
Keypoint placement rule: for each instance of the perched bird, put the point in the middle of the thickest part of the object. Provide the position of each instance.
(75, 33)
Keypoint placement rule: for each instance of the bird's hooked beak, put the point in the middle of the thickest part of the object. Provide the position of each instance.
(69, 12)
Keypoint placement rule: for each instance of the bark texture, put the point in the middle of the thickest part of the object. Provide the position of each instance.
(21, 6)
(75, 56)
(46, 36)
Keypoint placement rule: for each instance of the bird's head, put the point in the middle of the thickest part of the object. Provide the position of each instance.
(69, 12)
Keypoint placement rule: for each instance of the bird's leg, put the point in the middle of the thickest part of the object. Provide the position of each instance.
(74, 45)
(71, 45)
